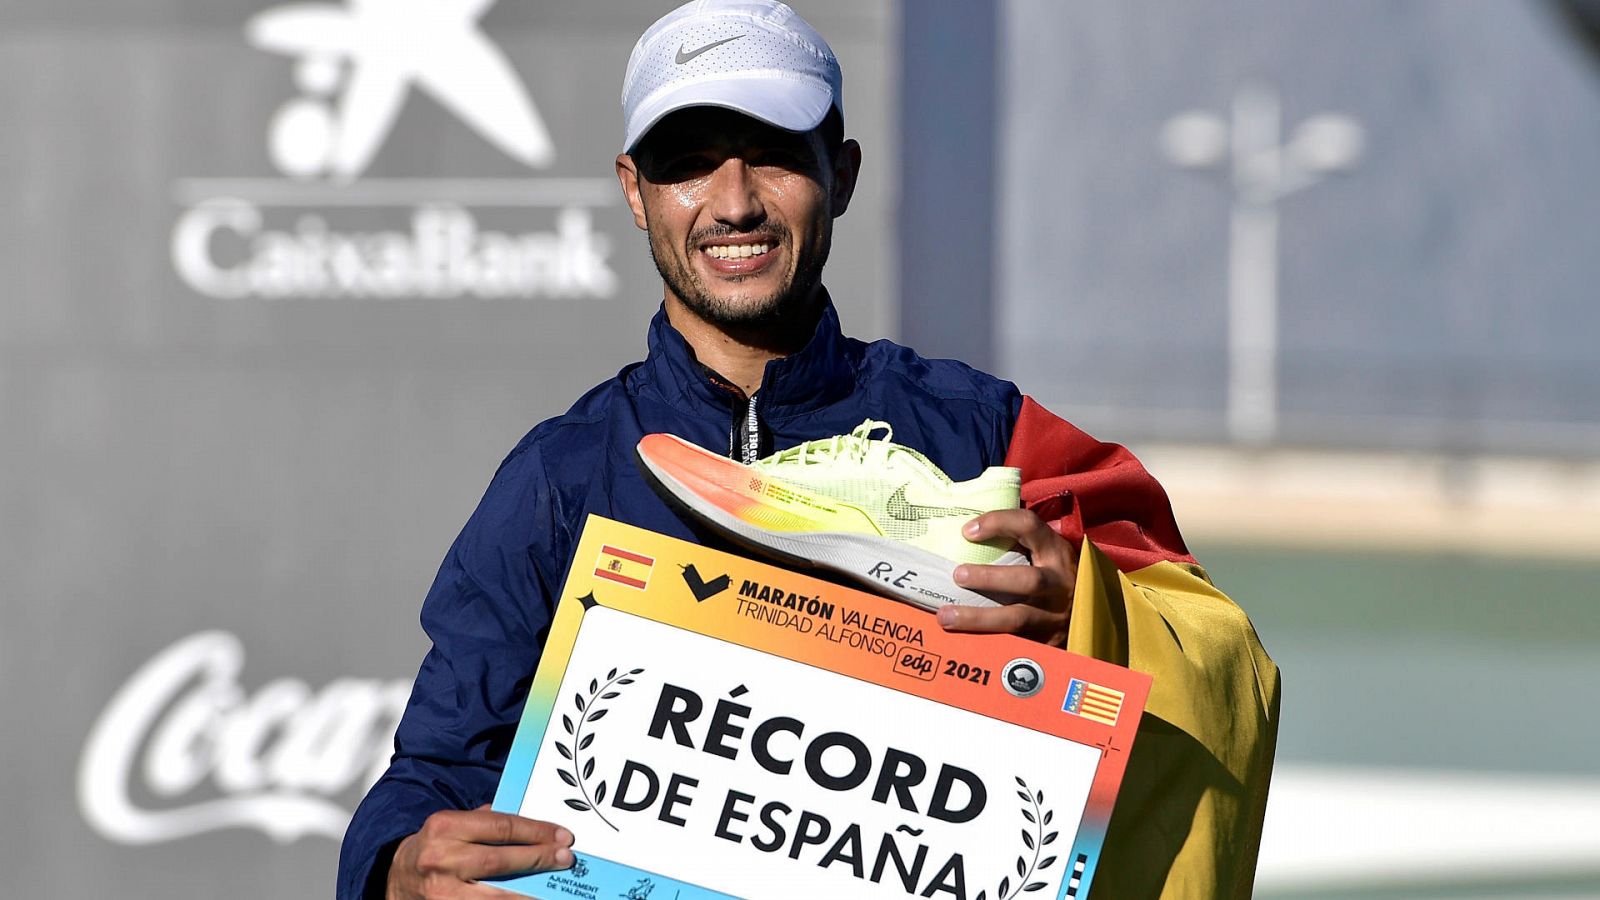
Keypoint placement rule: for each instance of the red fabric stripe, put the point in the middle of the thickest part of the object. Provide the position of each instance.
(1084, 487)
(607, 573)
(633, 557)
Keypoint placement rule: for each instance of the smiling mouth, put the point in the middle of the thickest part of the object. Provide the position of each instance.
(738, 251)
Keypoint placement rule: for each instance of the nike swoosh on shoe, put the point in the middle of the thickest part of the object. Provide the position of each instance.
(906, 511)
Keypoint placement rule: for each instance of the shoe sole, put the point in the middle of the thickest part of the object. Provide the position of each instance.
(901, 571)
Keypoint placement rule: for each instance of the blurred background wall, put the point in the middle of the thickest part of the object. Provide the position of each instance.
(1329, 268)
(274, 311)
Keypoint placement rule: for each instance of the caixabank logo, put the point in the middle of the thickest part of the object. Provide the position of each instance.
(321, 230)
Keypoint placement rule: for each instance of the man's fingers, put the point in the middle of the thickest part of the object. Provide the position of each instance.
(1021, 525)
(454, 849)
(483, 826)
(1018, 581)
(1018, 618)
(488, 860)
(1043, 589)
(1048, 551)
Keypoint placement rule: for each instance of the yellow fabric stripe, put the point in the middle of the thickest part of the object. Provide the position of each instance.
(1188, 817)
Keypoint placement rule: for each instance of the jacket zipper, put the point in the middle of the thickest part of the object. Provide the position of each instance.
(744, 432)
(750, 447)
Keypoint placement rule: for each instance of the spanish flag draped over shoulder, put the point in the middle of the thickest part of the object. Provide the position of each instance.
(1188, 817)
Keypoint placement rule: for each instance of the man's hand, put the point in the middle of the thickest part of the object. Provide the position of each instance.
(1046, 586)
(453, 849)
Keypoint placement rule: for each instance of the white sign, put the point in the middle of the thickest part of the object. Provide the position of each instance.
(710, 726)
(806, 783)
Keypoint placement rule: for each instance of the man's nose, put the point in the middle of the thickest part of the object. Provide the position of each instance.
(735, 198)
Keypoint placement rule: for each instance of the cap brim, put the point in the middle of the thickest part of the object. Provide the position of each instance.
(787, 103)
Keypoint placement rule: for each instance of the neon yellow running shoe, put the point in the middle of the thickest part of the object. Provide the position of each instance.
(861, 505)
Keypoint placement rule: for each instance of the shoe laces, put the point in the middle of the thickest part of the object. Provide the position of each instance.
(857, 446)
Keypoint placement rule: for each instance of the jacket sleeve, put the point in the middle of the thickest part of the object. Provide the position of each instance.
(488, 614)
(1189, 814)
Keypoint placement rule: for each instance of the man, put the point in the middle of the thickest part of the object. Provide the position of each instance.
(735, 164)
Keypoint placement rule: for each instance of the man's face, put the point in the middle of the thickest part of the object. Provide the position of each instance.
(739, 214)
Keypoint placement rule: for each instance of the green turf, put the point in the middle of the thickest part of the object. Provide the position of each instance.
(1438, 635)
(1567, 887)
(1298, 591)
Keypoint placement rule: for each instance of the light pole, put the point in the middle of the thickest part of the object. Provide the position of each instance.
(1263, 171)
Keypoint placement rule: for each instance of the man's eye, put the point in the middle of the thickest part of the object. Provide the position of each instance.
(684, 166)
(782, 158)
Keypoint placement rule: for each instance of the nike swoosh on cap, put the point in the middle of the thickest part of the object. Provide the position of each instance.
(906, 511)
(683, 57)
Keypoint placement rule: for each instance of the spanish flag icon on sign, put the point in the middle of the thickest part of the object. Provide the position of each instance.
(623, 567)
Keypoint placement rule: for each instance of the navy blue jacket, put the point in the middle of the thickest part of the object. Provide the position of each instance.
(489, 610)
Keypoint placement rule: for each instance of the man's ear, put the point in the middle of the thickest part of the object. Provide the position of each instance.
(628, 176)
(846, 168)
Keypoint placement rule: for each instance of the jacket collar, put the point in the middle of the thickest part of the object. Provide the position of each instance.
(819, 374)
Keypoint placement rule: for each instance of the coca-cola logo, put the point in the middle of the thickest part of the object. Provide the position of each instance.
(183, 732)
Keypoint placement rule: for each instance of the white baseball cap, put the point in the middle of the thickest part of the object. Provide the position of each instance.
(757, 57)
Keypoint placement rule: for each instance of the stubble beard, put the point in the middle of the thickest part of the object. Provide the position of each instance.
(791, 304)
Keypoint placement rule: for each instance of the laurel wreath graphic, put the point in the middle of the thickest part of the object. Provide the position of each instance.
(589, 712)
(1035, 838)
